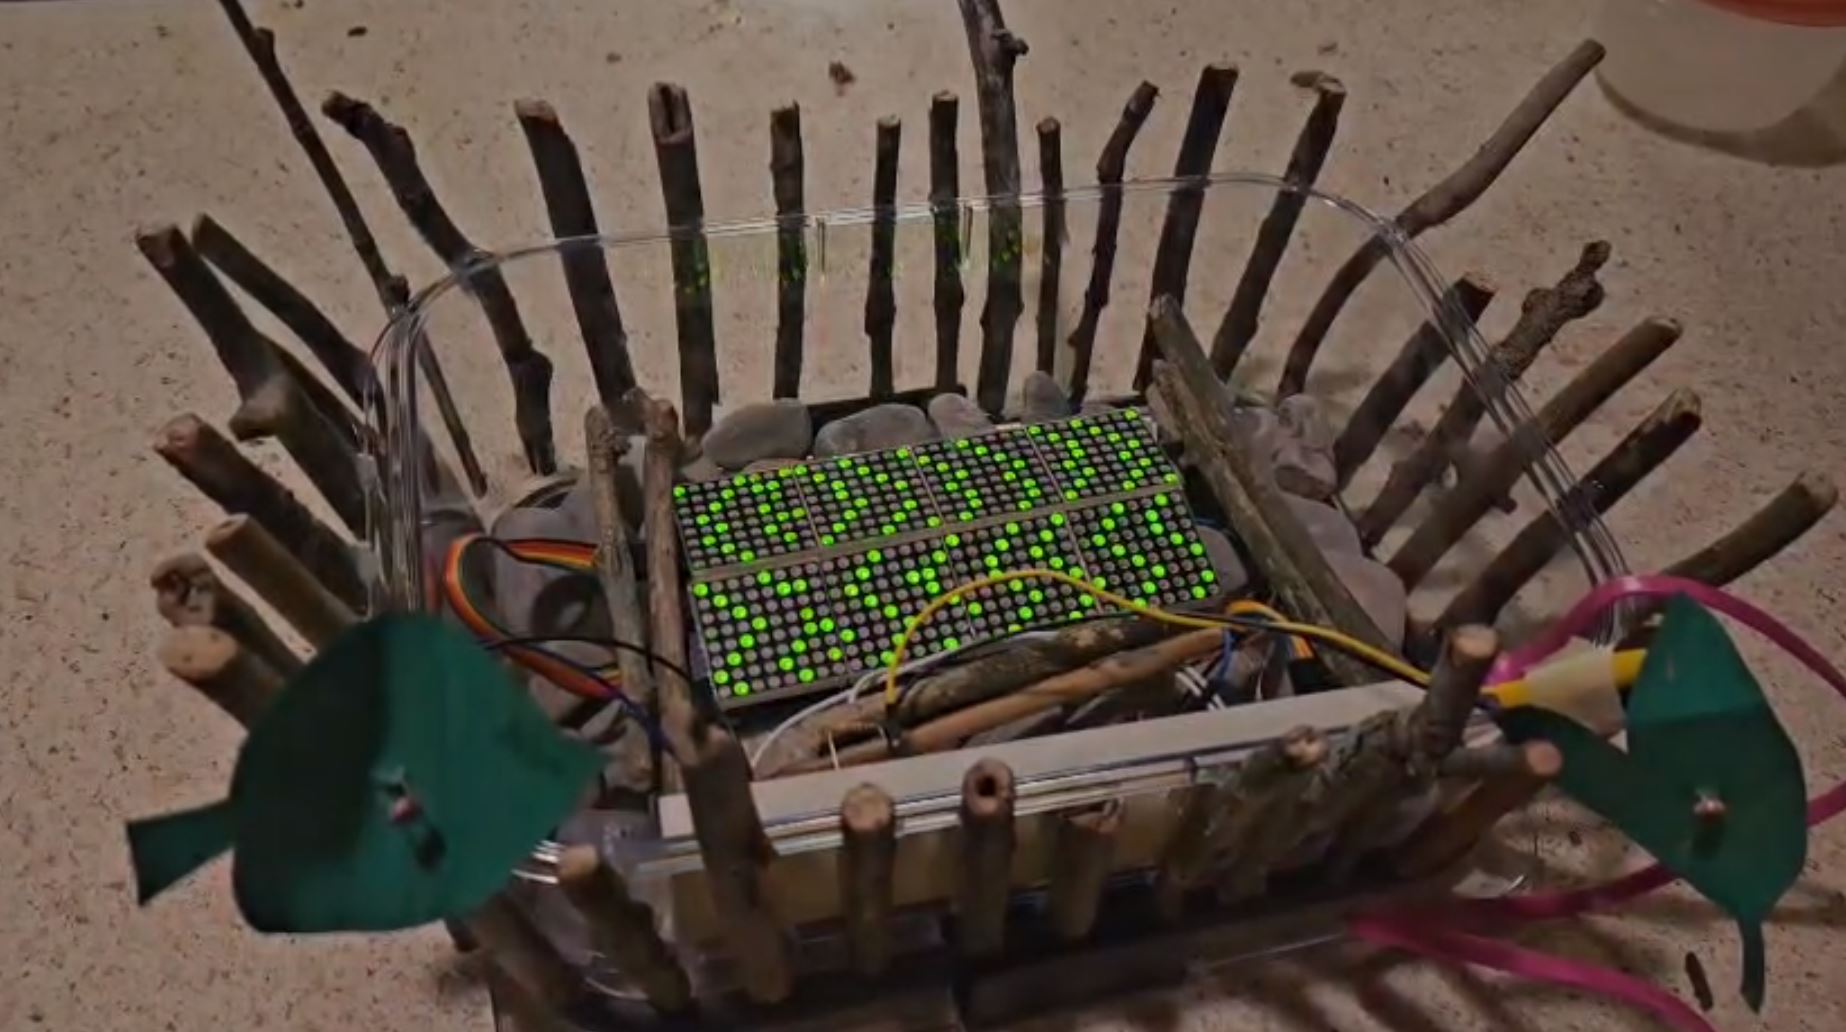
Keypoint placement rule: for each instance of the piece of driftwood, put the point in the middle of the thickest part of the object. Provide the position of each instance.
(622, 928)
(1450, 834)
(1482, 483)
(1634, 457)
(736, 854)
(994, 50)
(1544, 313)
(1082, 857)
(676, 152)
(188, 593)
(1537, 759)
(666, 606)
(1051, 256)
(1263, 833)
(985, 861)
(786, 169)
(868, 851)
(215, 466)
(1774, 527)
(1461, 305)
(262, 562)
(525, 955)
(880, 296)
(1288, 558)
(321, 437)
(604, 447)
(1211, 100)
(1184, 853)
(1238, 327)
(944, 189)
(345, 363)
(586, 268)
(228, 673)
(527, 367)
(1111, 165)
(1438, 204)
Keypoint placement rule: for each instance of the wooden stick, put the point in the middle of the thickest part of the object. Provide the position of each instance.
(785, 172)
(1110, 167)
(1545, 312)
(349, 366)
(604, 447)
(1637, 455)
(189, 594)
(737, 854)
(868, 850)
(1311, 146)
(261, 46)
(1288, 559)
(528, 368)
(1186, 850)
(1241, 813)
(986, 864)
(994, 49)
(1438, 204)
(622, 928)
(323, 444)
(1774, 527)
(1449, 835)
(676, 152)
(1418, 360)
(1536, 759)
(586, 267)
(223, 474)
(233, 677)
(1482, 483)
(667, 632)
(880, 300)
(525, 955)
(944, 189)
(1080, 865)
(262, 562)
(1211, 99)
(1051, 261)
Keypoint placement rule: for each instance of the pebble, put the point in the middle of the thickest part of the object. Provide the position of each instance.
(1303, 471)
(882, 426)
(529, 599)
(957, 416)
(1041, 400)
(780, 429)
(700, 470)
(1232, 577)
(1377, 590)
(1331, 530)
(1302, 417)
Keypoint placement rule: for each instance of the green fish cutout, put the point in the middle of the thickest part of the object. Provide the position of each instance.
(1710, 784)
(397, 780)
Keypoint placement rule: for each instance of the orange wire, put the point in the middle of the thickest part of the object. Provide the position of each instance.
(536, 660)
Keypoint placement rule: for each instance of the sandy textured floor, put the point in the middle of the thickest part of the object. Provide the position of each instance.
(120, 114)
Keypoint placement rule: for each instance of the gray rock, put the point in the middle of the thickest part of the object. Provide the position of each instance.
(957, 416)
(1377, 590)
(1302, 417)
(780, 429)
(1041, 400)
(1304, 471)
(1331, 530)
(1232, 577)
(528, 599)
(701, 469)
(1257, 429)
(882, 426)
(1095, 408)
(764, 465)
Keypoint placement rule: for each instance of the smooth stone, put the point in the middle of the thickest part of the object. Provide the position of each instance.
(955, 415)
(780, 429)
(1303, 471)
(1331, 530)
(529, 599)
(700, 470)
(1377, 590)
(1041, 400)
(1232, 577)
(882, 426)
(1303, 418)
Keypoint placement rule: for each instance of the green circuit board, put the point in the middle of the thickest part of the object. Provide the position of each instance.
(803, 578)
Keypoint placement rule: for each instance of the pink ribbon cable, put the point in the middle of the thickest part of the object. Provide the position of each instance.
(1436, 932)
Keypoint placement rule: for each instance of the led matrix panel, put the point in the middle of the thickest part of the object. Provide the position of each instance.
(804, 577)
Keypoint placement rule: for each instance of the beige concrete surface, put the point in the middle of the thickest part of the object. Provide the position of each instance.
(115, 114)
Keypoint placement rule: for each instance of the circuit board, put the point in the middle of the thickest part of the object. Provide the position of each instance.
(804, 577)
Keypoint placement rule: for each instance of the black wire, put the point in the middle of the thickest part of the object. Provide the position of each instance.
(607, 643)
(1264, 624)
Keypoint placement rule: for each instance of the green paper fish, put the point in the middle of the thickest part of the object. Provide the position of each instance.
(1710, 783)
(397, 780)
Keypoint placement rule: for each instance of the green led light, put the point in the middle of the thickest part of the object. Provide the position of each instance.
(887, 530)
(702, 520)
(783, 589)
(1198, 592)
(826, 624)
(1047, 535)
(801, 584)
(764, 577)
(1149, 588)
(720, 677)
(810, 628)
(679, 491)
(1138, 560)
(747, 556)
(727, 494)
(1014, 628)
(862, 573)
(799, 647)
(1057, 563)
(1118, 551)
(1118, 508)
(734, 659)
(835, 654)
(1089, 601)
(721, 601)
(912, 577)
(849, 635)
(952, 540)
(891, 612)
(875, 555)
(1108, 523)
(700, 590)
(722, 527)
(727, 548)
(975, 609)
(951, 643)
(757, 623)
(826, 539)
(1037, 552)
(806, 676)
(747, 641)
(852, 590)
(1176, 538)
(965, 515)
(1036, 596)
(708, 541)
(1070, 496)
(807, 613)
(1159, 570)
(1025, 612)
(739, 613)
(785, 664)
(741, 689)
(871, 600)
(1208, 576)
(1099, 541)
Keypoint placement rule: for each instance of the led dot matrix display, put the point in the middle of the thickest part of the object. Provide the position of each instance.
(804, 577)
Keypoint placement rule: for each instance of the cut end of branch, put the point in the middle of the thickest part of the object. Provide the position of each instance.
(1473, 645)
(1304, 747)
(1318, 81)
(867, 810)
(1822, 494)
(669, 113)
(577, 865)
(349, 113)
(197, 653)
(890, 124)
(1049, 126)
(533, 110)
(1543, 760)
(161, 244)
(987, 790)
(180, 435)
(228, 529)
(944, 98)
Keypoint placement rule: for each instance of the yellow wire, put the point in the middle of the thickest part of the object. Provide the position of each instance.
(1624, 668)
(1382, 659)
